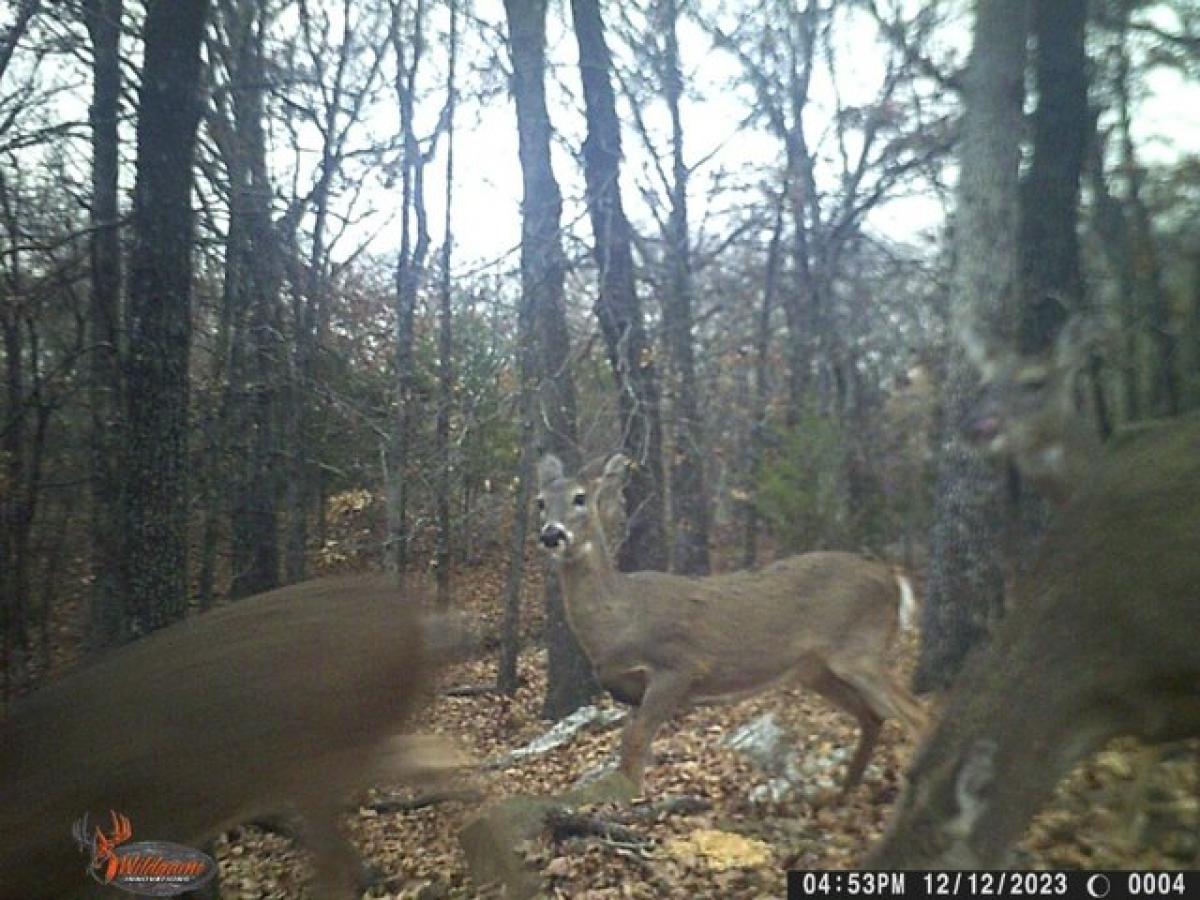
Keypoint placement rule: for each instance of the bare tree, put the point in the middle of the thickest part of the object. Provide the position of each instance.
(1131, 245)
(689, 499)
(25, 13)
(758, 404)
(966, 590)
(446, 338)
(872, 150)
(103, 20)
(155, 481)
(1049, 230)
(548, 390)
(335, 76)
(409, 48)
(253, 275)
(618, 308)
(1051, 282)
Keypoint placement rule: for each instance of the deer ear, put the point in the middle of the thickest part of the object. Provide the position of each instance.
(613, 475)
(549, 470)
(1079, 337)
(979, 350)
(616, 467)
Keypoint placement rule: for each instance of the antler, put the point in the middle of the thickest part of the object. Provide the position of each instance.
(105, 845)
(81, 831)
(122, 831)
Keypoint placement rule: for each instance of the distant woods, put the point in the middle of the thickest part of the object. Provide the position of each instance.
(249, 334)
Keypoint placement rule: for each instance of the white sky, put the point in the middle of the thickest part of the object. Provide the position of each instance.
(488, 184)
(488, 192)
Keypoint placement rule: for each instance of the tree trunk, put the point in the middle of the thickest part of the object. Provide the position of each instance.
(1108, 220)
(410, 265)
(762, 391)
(507, 676)
(1152, 301)
(966, 590)
(800, 304)
(14, 565)
(689, 500)
(1194, 323)
(252, 286)
(445, 344)
(1049, 216)
(1051, 285)
(103, 19)
(617, 306)
(545, 353)
(160, 274)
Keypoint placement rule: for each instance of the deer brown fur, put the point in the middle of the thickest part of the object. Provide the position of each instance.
(287, 702)
(1103, 633)
(660, 641)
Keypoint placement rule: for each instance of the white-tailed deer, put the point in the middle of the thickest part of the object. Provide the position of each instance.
(287, 702)
(1103, 633)
(660, 641)
(1028, 409)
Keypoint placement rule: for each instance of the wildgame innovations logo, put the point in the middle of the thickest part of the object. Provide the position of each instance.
(149, 868)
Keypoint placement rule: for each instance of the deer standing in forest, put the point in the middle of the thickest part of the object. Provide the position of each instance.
(287, 702)
(1102, 637)
(661, 641)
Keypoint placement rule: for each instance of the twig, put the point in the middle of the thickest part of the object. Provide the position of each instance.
(563, 824)
(687, 805)
(470, 690)
(421, 801)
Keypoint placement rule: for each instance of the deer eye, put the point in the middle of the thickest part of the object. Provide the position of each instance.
(541, 504)
(581, 499)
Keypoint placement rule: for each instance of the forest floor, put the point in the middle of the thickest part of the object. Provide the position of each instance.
(1126, 808)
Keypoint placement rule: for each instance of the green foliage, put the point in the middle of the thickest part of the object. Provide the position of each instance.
(801, 486)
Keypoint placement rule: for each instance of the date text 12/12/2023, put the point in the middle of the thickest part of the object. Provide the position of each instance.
(915, 885)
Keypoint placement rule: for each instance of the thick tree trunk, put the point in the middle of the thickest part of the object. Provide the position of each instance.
(252, 281)
(1194, 325)
(617, 306)
(103, 19)
(965, 590)
(14, 564)
(546, 378)
(1049, 219)
(1051, 285)
(160, 274)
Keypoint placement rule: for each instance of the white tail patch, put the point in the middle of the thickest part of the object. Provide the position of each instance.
(908, 604)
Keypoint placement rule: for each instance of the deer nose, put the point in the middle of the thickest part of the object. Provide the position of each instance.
(982, 421)
(553, 534)
(982, 428)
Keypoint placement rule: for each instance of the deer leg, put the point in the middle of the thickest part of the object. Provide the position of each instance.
(850, 699)
(664, 694)
(339, 870)
(887, 699)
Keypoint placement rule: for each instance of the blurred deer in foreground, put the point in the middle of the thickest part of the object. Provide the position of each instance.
(1028, 410)
(288, 702)
(1103, 634)
(660, 641)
